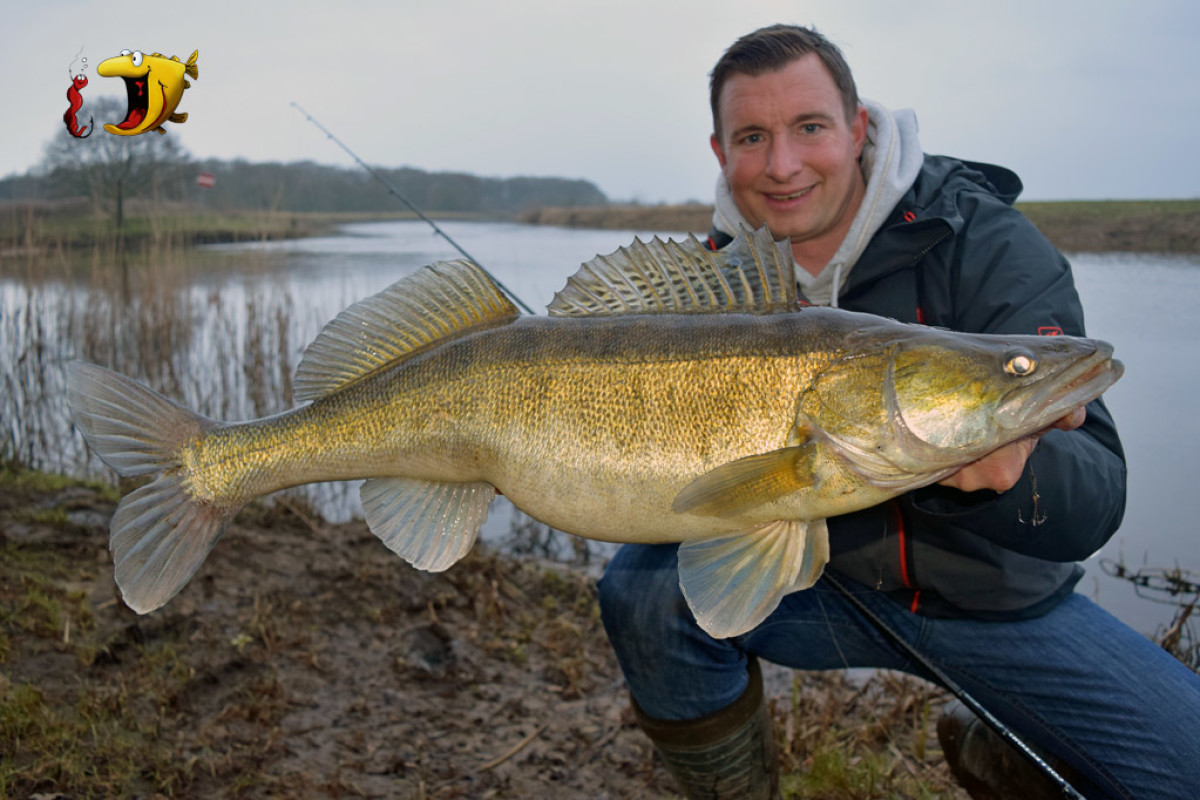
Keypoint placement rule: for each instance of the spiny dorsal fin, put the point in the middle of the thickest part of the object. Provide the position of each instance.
(754, 274)
(439, 302)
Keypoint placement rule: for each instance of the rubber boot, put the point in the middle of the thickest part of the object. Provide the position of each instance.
(727, 754)
(990, 768)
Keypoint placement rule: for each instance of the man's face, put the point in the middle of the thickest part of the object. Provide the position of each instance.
(790, 156)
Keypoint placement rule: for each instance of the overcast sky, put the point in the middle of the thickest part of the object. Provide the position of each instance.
(1085, 99)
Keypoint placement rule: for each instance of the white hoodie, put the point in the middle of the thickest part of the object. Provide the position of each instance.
(890, 161)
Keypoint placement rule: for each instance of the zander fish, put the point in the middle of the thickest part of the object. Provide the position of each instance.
(672, 394)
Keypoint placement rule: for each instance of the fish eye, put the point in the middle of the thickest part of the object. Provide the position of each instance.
(1020, 364)
(137, 59)
(126, 52)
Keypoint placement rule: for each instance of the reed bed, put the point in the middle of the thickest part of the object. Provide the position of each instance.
(227, 351)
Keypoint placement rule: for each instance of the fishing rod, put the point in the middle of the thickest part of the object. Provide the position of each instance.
(396, 193)
(963, 696)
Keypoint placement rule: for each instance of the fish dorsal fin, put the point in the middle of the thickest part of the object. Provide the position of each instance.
(754, 274)
(443, 301)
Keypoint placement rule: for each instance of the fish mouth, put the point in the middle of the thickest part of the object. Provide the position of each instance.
(1038, 405)
(137, 93)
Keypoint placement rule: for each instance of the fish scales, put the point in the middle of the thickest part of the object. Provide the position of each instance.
(672, 395)
(677, 399)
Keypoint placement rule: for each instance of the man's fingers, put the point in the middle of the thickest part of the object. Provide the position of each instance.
(1071, 421)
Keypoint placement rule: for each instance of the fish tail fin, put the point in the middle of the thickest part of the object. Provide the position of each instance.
(190, 68)
(160, 534)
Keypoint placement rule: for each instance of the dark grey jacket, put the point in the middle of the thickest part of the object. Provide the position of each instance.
(955, 254)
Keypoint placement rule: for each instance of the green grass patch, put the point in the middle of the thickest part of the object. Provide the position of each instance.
(16, 479)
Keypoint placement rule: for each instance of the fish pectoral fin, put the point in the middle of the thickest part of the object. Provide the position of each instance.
(751, 481)
(430, 525)
(733, 583)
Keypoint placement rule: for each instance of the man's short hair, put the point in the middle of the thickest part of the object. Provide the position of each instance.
(773, 48)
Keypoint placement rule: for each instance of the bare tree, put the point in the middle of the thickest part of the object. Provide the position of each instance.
(110, 168)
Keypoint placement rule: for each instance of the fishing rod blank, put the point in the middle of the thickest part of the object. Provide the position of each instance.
(396, 193)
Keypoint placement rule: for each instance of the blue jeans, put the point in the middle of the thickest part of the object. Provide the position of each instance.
(1076, 682)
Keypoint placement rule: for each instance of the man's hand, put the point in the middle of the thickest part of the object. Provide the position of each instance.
(1001, 469)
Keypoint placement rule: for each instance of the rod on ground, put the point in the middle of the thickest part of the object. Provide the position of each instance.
(966, 699)
(396, 193)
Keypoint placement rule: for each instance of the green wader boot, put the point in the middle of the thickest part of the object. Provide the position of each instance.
(725, 755)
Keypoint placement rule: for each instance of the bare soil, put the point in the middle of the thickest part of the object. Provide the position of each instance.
(305, 660)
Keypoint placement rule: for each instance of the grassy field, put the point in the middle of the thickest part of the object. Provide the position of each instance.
(1152, 226)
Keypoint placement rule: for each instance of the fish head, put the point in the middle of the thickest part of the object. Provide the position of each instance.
(154, 86)
(912, 400)
(970, 394)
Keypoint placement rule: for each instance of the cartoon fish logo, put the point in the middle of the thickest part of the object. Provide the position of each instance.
(154, 85)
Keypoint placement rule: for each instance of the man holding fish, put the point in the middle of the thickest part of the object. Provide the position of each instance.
(977, 571)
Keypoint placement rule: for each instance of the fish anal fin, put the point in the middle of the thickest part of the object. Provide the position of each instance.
(430, 525)
(733, 583)
(443, 301)
(748, 482)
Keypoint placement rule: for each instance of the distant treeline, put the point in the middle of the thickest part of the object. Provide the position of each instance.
(309, 187)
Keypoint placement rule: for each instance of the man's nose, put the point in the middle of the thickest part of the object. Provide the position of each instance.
(784, 160)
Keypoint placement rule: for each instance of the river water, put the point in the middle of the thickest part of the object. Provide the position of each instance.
(1143, 304)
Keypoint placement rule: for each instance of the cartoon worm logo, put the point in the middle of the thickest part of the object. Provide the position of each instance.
(76, 100)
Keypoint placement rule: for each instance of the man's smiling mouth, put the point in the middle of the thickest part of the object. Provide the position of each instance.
(793, 196)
